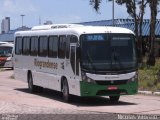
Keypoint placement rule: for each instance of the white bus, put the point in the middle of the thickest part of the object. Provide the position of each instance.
(77, 60)
(6, 55)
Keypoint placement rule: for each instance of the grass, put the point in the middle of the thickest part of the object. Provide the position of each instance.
(149, 77)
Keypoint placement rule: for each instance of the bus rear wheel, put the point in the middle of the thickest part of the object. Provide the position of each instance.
(114, 98)
(65, 91)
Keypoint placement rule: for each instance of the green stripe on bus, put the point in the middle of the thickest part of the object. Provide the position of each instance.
(91, 89)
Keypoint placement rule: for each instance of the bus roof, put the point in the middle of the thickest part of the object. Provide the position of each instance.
(76, 29)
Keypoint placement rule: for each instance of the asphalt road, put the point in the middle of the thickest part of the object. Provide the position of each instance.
(15, 99)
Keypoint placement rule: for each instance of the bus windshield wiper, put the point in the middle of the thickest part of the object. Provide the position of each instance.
(116, 59)
(90, 61)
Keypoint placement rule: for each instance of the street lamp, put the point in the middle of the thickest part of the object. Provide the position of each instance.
(22, 19)
(112, 11)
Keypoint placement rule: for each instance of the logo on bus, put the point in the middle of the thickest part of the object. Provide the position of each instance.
(62, 65)
(45, 64)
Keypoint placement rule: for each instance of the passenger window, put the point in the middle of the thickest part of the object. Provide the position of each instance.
(43, 46)
(26, 45)
(68, 46)
(53, 46)
(18, 49)
(62, 47)
(34, 46)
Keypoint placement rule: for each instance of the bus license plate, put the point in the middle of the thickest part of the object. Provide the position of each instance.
(112, 88)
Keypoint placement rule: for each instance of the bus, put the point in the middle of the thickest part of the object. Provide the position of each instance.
(78, 60)
(6, 55)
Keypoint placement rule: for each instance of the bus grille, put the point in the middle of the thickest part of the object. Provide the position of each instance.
(114, 82)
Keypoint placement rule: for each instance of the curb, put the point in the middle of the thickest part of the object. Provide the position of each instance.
(149, 93)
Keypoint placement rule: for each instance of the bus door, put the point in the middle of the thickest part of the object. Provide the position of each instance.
(74, 62)
(74, 59)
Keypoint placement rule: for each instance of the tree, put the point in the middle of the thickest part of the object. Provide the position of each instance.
(154, 9)
(131, 6)
(132, 11)
(142, 6)
(95, 4)
(138, 19)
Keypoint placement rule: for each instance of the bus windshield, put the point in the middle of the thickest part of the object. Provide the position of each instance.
(5, 51)
(108, 52)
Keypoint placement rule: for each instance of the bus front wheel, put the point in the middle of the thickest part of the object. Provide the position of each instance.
(31, 87)
(65, 90)
(114, 98)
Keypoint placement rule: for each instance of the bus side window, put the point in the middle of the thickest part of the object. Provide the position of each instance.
(26, 45)
(34, 46)
(62, 46)
(68, 46)
(43, 46)
(53, 46)
(18, 49)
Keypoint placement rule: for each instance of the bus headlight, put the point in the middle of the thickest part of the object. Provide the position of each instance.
(134, 78)
(8, 59)
(87, 79)
(84, 77)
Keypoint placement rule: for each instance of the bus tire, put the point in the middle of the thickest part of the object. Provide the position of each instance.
(32, 88)
(114, 98)
(65, 90)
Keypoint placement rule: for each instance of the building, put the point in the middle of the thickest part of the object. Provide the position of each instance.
(127, 23)
(9, 36)
(5, 25)
(48, 22)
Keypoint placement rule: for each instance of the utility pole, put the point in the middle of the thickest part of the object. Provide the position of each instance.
(113, 12)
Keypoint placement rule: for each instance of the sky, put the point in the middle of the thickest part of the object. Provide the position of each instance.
(58, 11)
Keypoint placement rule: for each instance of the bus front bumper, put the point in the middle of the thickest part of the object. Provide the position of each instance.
(91, 89)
